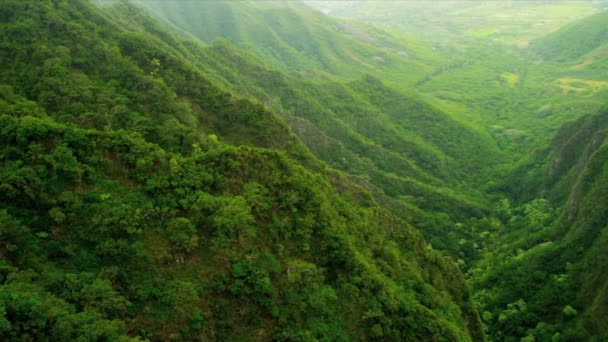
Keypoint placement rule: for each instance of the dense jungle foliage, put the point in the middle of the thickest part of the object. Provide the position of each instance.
(139, 199)
(259, 170)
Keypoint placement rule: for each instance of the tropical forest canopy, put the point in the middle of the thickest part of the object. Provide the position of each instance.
(303, 170)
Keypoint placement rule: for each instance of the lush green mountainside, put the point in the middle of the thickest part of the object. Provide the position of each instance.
(140, 83)
(547, 278)
(292, 36)
(523, 104)
(262, 186)
(414, 157)
(106, 230)
(363, 114)
(140, 198)
(574, 40)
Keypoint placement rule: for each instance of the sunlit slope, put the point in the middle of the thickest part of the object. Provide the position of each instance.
(295, 37)
(519, 97)
(575, 40)
(580, 51)
(142, 200)
(365, 111)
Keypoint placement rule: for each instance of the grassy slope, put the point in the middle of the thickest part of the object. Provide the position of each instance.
(295, 37)
(520, 103)
(574, 40)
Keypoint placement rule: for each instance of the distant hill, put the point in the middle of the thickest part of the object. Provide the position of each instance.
(292, 36)
(401, 148)
(575, 40)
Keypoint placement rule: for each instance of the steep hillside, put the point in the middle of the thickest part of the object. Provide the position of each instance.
(574, 40)
(547, 278)
(416, 159)
(290, 35)
(359, 113)
(110, 231)
(396, 143)
(142, 200)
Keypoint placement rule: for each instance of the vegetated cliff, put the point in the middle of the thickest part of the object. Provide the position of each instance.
(548, 279)
(421, 162)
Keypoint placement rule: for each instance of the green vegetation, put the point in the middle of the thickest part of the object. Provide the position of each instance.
(575, 40)
(416, 158)
(290, 35)
(546, 278)
(259, 170)
(217, 243)
(142, 200)
(482, 41)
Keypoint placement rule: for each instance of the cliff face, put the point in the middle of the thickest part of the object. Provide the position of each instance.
(562, 261)
(584, 224)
